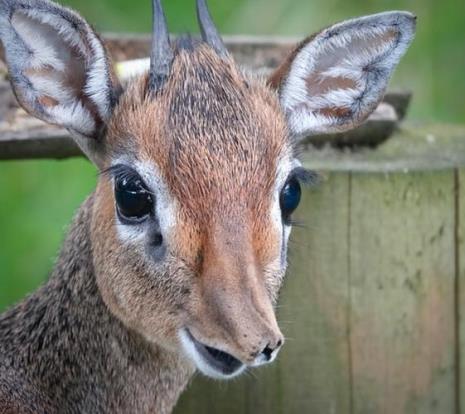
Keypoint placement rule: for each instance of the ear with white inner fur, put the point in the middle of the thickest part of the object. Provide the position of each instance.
(58, 68)
(336, 78)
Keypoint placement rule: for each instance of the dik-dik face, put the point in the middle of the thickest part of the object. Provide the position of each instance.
(199, 178)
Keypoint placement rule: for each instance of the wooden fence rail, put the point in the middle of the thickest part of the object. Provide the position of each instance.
(373, 307)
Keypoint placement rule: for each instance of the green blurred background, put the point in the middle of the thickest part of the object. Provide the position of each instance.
(38, 198)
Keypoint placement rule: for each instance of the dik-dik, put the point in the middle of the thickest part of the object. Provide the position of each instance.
(174, 262)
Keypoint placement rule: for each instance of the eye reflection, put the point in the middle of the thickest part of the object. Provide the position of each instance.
(290, 198)
(134, 203)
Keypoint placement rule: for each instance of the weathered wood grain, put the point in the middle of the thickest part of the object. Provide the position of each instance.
(311, 374)
(414, 147)
(461, 288)
(315, 366)
(402, 277)
(18, 144)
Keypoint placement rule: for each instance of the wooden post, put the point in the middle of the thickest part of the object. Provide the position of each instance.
(460, 297)
(402, 277)
(315, 304)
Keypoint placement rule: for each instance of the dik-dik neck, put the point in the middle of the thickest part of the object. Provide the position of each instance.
(66, 342)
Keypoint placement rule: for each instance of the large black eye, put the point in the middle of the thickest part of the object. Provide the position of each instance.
(134, 203)
(289, 198)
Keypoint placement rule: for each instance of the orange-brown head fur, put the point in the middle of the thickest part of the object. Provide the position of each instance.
(216, 139)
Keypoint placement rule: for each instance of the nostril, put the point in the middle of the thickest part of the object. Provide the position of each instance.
(156, 246)
(157, 240)
(267, 352)
(280, 342)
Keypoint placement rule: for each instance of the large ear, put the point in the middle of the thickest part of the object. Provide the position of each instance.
(336, 78)
(59, 69)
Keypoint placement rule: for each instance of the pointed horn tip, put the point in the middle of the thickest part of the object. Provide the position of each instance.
(210, 34)
(161, 53)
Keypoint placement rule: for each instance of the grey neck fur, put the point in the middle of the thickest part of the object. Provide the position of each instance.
(62, 351)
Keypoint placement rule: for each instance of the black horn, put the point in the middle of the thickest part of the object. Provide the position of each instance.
(162, 55)
(208, 30)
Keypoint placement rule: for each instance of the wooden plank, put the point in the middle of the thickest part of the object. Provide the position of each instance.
(311, 375)
(315, 372)
(402, 293)
(460, 218)
(414, 147)
(36, 143)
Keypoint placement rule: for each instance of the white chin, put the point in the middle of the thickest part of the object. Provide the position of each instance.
(204, 366)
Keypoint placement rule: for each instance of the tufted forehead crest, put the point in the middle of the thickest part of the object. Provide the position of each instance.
(209, 130)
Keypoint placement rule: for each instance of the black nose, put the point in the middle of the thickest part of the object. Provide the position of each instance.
(268, 350)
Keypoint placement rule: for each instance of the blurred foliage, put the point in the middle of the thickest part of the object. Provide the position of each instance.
(38, 198)
(37, 201)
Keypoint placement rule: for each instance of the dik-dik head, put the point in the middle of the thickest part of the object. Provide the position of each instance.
(193, 208)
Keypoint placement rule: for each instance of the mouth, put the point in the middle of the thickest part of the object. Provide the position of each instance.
(210, 361)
